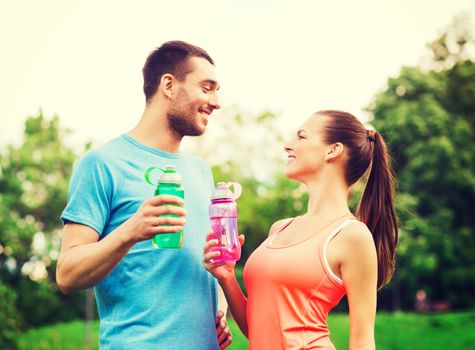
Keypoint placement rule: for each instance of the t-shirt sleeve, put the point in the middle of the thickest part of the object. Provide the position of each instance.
(210, 178)
(90, 193)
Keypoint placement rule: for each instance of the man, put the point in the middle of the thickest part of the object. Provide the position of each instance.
(148, 298)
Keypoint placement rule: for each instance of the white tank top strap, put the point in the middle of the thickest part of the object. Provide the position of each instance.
(329, 237)
(284, 224)
(281, 227)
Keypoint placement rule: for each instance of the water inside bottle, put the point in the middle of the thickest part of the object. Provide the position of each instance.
(225, 231)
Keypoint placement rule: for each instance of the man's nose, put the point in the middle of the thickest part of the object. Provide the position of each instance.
(214, 102)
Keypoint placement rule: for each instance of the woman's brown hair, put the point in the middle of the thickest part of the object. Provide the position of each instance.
(366, 149)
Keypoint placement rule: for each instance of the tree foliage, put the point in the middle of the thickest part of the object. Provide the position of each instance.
(9, 320)
(427, 116)
(33, 190)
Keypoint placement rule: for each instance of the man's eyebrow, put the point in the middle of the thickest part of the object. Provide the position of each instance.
(212, 82)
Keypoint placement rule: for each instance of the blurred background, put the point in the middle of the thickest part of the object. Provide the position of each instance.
(71, 80)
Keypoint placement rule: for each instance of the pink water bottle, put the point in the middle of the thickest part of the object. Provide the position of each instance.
(223, 215)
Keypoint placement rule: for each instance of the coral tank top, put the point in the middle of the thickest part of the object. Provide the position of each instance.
(291, 289)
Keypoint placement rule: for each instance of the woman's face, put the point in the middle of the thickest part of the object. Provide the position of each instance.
(306, 152)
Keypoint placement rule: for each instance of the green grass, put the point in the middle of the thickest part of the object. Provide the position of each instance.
(61, 336)
(393, 332)
(408, 331)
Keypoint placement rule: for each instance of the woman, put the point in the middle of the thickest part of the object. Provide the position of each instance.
(308, 263)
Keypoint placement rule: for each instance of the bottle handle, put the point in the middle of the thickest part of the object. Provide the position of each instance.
(237, 189)
(149, 171)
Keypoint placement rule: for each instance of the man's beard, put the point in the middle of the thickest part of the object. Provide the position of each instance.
(182, 125)
(180, 117)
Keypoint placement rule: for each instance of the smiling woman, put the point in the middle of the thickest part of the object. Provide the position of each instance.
(308, 263)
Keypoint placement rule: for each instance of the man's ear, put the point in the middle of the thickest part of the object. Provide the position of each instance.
(167, 84)
(334, 151)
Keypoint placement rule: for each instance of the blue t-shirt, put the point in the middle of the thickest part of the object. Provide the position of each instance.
(154, 298)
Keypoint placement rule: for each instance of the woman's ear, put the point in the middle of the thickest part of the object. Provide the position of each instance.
(167, 84)
(334, 151)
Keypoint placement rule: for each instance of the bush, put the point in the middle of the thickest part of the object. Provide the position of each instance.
(9, 319)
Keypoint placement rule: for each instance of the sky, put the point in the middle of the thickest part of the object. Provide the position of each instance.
(82, 60)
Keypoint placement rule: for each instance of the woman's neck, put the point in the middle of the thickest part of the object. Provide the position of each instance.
(327, 199)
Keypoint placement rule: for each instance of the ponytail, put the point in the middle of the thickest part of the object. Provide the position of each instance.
(376, 208)
(367, 150)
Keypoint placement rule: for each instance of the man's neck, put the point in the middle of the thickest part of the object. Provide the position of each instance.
(152, 130)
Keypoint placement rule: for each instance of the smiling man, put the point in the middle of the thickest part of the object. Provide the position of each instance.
(148, 298)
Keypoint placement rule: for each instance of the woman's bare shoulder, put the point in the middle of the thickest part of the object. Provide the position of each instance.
(355, 239)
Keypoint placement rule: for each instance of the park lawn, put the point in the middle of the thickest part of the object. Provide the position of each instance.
(396, 331)
(71, 336)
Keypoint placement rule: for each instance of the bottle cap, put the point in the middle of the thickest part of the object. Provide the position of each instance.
(222, 191)
(170, 176)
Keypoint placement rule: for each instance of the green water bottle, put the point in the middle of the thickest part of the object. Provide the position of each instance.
(169, 183)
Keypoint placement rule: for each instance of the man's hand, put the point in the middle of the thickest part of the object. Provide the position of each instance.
(223, 333)
(149, 220)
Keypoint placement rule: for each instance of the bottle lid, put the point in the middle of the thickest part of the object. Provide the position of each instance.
(170, 176)
(222, 191)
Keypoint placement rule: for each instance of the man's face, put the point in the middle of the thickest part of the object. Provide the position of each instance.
(195, 100)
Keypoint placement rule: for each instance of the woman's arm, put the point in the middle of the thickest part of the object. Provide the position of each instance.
(237, 302)
(359, 272)
(224, 273)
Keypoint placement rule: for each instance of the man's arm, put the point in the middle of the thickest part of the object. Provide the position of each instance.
(85, 261)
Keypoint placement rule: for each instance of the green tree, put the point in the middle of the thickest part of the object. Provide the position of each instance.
(427, 116)
(9, 320)
(33, 190)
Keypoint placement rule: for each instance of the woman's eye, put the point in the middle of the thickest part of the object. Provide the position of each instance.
(206, 89)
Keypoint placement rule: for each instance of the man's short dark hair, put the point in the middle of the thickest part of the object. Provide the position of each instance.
(172, 58)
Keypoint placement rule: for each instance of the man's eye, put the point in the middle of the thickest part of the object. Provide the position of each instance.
(206, 88)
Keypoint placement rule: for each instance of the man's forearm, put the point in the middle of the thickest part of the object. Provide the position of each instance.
(84, 266)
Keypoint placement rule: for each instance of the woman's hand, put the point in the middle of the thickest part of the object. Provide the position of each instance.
(221, 270)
